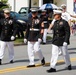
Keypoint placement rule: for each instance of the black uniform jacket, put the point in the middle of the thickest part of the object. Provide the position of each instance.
(33, 29)
(44, 19)
(61, 32)
(8, 28)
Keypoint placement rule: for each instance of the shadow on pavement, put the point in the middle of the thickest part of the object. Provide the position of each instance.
(71, 48)
(73, 68)
(18, 61)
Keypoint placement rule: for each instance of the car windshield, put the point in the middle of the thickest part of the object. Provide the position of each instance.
(24, 10)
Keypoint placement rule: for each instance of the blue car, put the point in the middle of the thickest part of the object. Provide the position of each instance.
(21, 20)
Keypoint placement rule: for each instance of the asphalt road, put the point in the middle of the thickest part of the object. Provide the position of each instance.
(21, 61)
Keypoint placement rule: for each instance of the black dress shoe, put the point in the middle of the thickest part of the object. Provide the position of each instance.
(31, 66)
(43, 43)
(0, 61)
(51, 70)
(69, 67)
(43, 61)
(11, 61)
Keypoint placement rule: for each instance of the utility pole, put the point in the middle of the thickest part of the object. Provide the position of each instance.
(14, 5)
(29, 3)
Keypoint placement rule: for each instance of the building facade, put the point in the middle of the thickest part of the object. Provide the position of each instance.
(17, 4)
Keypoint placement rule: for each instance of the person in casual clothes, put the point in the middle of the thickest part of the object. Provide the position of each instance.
(61, 35)
(34, 34)
(8, 29)
(65, 15)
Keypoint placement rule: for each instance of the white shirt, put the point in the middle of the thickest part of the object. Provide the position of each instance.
(66, 16)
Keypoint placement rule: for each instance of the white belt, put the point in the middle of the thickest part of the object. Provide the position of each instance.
(31, 29)
(44, 21)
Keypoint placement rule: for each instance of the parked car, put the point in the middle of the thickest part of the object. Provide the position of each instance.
(25, 11)
(21, 20)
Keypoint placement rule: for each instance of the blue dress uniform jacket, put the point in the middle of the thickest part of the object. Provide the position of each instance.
(61, 32)
(33, 29)
(44, 19)
(8, 28)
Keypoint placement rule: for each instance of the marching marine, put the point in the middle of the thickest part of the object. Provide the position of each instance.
(34, 34)
(61, 35)
(8, 30)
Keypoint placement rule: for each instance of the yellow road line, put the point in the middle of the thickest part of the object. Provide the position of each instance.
(25, 67)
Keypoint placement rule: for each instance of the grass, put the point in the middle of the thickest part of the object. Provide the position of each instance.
(21, 40)
(48, 38)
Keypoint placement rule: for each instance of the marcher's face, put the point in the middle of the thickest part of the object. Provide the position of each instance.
(43, 13)
(6, 14)
(34, 14)
(57, 16)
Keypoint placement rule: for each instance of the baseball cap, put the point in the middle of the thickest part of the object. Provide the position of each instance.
(63, 6)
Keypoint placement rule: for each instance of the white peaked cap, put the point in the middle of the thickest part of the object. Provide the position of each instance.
(57, 12)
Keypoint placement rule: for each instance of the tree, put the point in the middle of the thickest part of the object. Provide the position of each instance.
(4, 1)
(4, 6)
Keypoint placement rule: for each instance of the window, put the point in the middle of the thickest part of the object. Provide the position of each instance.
(23, 11)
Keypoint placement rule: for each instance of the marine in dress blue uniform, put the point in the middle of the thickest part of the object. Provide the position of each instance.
(34, 34)
(61, 35)
(8, 30)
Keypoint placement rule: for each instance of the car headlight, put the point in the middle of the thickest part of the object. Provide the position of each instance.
(21, 21)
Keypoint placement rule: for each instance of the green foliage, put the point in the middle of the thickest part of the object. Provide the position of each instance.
(4, 7)
(49, 37)
(19, 41)
(4, 1)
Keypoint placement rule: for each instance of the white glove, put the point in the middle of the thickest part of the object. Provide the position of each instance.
(39, 40)
(12, 37)
(65, 44)
(48, 31)
(25, 40)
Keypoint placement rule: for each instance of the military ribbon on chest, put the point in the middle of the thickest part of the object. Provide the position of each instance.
(10, 22)
(36, 21)
(5, 22)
